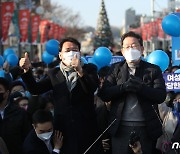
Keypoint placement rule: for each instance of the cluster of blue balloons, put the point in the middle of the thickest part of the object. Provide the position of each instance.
(102, 57)
(171, 25)
(160, 58)
(52, 50)
(10, 56)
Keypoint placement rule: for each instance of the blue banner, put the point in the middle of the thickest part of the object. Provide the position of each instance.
(114, 59)
(176, 51)
(176, 47)
(172, 81)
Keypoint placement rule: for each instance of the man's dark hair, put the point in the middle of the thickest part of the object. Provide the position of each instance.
(5, 83)
(132, 34)
(69, 39)
(16, 71)
(42, 116)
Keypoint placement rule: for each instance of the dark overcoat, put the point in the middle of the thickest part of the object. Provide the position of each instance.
(152, 93)
(74, 112)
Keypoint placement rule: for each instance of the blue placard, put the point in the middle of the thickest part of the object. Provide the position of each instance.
(114, 59)
(172, 81)
(176, 51)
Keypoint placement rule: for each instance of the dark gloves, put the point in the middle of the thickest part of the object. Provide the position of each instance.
(133, 84)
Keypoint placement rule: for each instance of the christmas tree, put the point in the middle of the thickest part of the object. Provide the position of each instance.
(103, 34)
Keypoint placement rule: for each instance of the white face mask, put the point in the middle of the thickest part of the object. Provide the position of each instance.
(132, 55)
(45, 136)
(68, 56)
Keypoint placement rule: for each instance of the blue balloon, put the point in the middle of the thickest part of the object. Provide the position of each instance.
(102, 56)
(12, 59)
(84, 60)
(52, 47)
(1, 60)
(171, 25)
(92, 61)
(47, 58)
(160, 58)
(177, 71)
(2, 74)
(7, 52)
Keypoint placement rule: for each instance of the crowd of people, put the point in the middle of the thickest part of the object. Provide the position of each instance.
(74, 108)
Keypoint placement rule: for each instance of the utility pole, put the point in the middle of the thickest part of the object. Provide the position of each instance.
(152, 8)
(1, 45)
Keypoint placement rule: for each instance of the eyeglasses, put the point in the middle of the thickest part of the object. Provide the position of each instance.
(133, 46)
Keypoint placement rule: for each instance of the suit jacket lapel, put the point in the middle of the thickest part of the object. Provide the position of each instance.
(124, 72)
(39, 142)
(140, 70)
(57, 77)
(60, 80)
(60, 77)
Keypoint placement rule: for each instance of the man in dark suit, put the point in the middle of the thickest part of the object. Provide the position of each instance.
(39, 140)
(135, 88)
(73, 85)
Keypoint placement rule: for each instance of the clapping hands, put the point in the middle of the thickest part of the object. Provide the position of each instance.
(133, 84)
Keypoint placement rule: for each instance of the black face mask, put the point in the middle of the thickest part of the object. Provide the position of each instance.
(1, 97)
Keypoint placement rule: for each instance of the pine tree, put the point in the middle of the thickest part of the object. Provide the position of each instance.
(103, 34)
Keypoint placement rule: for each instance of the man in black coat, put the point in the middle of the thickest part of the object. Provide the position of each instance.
(14, 122)
(40, 140)
(135, 88)
(73, 85)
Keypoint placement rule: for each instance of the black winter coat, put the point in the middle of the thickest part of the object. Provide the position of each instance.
(14, 128)
(153, 92)
(74, 112)
(33, 145)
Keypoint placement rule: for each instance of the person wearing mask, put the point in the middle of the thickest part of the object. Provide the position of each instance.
(73, 85)
(41, 140)
(14, 122)
(135, 88)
